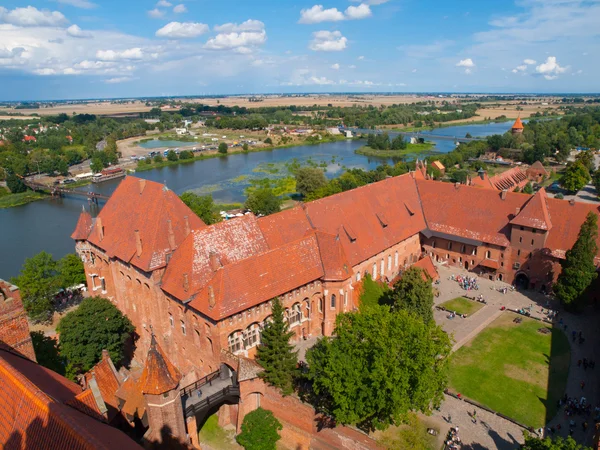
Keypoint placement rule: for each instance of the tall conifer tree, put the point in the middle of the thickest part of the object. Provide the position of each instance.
(275, 354)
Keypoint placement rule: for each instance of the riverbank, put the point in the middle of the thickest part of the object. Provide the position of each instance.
(22, 198)
(411, 149)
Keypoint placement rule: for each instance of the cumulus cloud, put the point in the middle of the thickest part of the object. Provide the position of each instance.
(521, 68)
(318, 14)
(164, 4)
(45, 71)
(335, 66)
(550, 69)
(123, 55)
(465, 63)
(237, 41)
(361, 11)
(360, 58)
(84, 4)
(328, 41)
(76, 32)
(182, 30)
(304, 77)
(118, 80)
(529, 61)
(156, 13)
(248, 25)
(32, 17)
(179, 9)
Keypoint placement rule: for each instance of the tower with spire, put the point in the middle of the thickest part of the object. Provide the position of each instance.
(517, 127)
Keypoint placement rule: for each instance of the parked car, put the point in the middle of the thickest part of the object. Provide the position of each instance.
(68, 181)
(554, 187)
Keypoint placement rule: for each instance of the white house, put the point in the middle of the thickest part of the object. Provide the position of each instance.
(181, 131)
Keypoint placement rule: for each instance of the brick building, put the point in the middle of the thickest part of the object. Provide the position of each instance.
(14, 328)
(203, 293)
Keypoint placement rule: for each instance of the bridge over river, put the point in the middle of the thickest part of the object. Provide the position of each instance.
(60, 191)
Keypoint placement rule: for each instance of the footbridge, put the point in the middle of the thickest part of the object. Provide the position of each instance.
(60, 191)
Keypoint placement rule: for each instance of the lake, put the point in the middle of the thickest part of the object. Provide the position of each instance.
(48, 224)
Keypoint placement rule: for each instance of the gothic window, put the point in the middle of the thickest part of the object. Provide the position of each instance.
(182, 327)
(235, 342)
(396, 259)
(374, 271)
(171, 320)
(295, 314)
(252, 335)
(389, 262)
(357, 276)
(463, 249)
(333, 300)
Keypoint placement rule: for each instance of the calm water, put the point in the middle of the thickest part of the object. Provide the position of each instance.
(47, 225)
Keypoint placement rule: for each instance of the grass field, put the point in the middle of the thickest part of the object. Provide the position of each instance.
(411, 149)
(10, 200)
(514, 369)
(215, 436)
(462, 305)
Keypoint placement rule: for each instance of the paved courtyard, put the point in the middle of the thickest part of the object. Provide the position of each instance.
(501, 433)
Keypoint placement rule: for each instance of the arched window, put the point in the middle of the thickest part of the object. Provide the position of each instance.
(333, 300)
(389, 262)
(252, 335)
(433, 244)
(449, 245)
(171, 320)
(295, 314)
(357, 276)
(382, 266)
(374, 271)
(307, 308)
(463, 249)
(396, 259)
(234, 341)
(183, 327)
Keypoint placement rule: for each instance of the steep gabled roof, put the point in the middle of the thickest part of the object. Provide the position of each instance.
(159, 374)
(335, 263)
(535, 213)
(509, 179)
(83, 227)
(160, 219)
(108, 380)
(518, 125)
(539, 167)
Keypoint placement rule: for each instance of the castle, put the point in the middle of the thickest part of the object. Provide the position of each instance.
(203, 293)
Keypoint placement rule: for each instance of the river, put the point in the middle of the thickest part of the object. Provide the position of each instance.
(47, 224)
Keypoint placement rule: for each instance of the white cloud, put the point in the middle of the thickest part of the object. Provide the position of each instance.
(351, 66)
(32, 17)
(529, 61)
(521, 68)
(240, 41)
(76, 32)
(112, 55)
(164, 4)
(248, 25)
(468, 71)
(179, 9)
(361, 11)
(45, 71)
(414, 71)
(118, 80)
(360, 58)
(304, 77)
(335, 66)
(318, 14)
(156, 13)
(320, 81)
(465, 63)
(84, 4)
(371, 2)
(328, 41)
(550, 69)
(182, 30)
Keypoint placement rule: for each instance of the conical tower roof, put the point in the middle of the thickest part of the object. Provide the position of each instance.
(159, 375)
(84, 226)
(518, 125)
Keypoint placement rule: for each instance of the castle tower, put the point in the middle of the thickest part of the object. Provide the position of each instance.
(517, 127)
(159, 383)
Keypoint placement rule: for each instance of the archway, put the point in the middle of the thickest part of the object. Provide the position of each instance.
(522, 281)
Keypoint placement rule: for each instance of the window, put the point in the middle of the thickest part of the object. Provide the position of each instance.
(532, 241)
(307, 308)
(460, 259)
(518, 252)
(389, 262)
(103, 281)
(522, 228)
(182, 327)
(134, 308)
(345, 299)
(488, 254)
(357, 276)
(502, 264)
(396, 259)
(463, 249)
(449, 245)
(521, 239)
(252, 335)
(382, 267)
(534, 231)
(295, 314)
(501, 255)
(171, 320)
(374, 271)
(333, 300)
(235, 341)
(320, 305)
(433, 244)
(473, 251)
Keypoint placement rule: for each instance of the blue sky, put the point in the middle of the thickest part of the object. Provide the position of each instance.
(55, 49)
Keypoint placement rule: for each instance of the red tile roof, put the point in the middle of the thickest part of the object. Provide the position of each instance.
(151, 209)
(538, 167)
(518, 125)
(108, 381)
(335, 263)
(87, 404)
(427, 265)
(491, 263)
(83, 227)
(286, 226)
(14, 327)
(535, 213)
(159, 375)
(35, 414)
(438, 165)
(131, 394)
(482, 182)
(510, 179)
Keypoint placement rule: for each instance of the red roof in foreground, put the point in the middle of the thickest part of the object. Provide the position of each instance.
(159, 375)
(518, 125)
(83, 227)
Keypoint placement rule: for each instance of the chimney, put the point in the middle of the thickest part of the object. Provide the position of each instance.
(171, 234)
(503, 194)
(99, 227)
(517, 211)
(105, 354)
(138, 243)
(456, 185)
(481, 173)
(186, 282)
(572, 202)
(187, 225)
(211, 297)
(215, 263)
(142, 185)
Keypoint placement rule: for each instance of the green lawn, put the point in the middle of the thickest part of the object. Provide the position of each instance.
(215, 436)
(22, 198)
(462, 305)
(514, 369)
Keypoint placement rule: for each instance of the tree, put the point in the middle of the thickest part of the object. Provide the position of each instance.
(245, 147)
(578, 268)
(275, 354)
(558, 443)
(172, 156)
(96, 165)
(310, 179)
(71, 271)
(379, 366)
(587, 159)
(259, 431)
(96, 325)
(596, 181)
(263, 202)
(38, 281)
(47, 352)
(576, 176)
(528, 189)
(223, 148)
(186, 154)
(15, 184)
(158, 158)
(413, 293)
(268, 141)
(202, 205)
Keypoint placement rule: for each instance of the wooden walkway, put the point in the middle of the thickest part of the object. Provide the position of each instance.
(57, 191)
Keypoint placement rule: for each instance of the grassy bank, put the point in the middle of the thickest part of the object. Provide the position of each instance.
(411, 149)
(22, 198)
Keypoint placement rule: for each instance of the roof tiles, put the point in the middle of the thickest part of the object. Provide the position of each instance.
(159, 374)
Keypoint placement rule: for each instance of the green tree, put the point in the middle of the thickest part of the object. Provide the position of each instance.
(186, 154)
(15, 184)
(268, 141)
(275, 354)
(413, 293)
(309, 180)
(245, 147)
(38, 281)
(223, 148)
(172, 156)
(379, 366)
(47, 352)
(96, 165)
(202, 205)
(528, 189)
(71, 271)
(558, 443)
(576, 176)
(96, 325)
(263, 202)
(596, 181)
(587, 159)
(578, 268)
(259, 431)
(158, 158)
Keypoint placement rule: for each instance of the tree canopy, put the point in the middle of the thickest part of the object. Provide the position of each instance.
(259, 430)
(263, 201)
(576, 176)
(578, 268)
(413, 293)
(223, 148)
(96, 325)
(71, 271)
(47, 352)
(275, 353)
(379, 366)
(558, 443)
(309, 180)
(202, 205)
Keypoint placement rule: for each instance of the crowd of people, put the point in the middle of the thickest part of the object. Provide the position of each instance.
(453, 439)
(465, 282)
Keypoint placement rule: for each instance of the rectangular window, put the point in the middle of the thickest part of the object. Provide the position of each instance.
(532, 242)
(333, 300)
(521, 239)
(345, 299)
(375, 271)
(518, 252)
(389, 262)
(449, 245)
(396, 259)
(382, 267)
